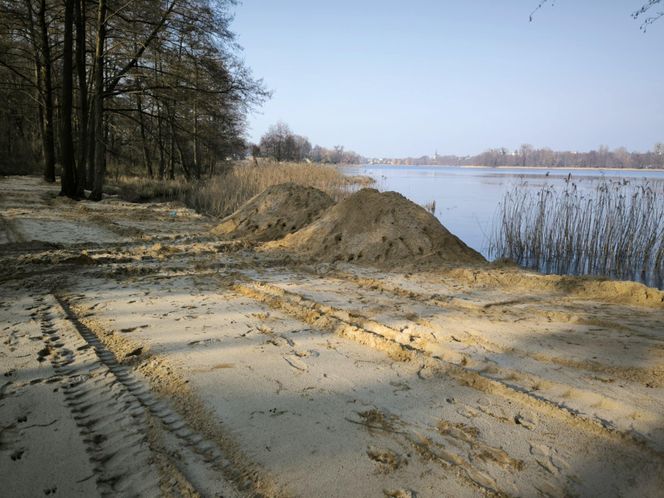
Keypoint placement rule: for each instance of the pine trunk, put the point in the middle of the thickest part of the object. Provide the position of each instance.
(98, 114)
(48, 135)
(82, 97)
(68, 178)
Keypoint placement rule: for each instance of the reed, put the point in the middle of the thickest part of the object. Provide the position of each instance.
(221, 194)
(615, 229)
(430, 206)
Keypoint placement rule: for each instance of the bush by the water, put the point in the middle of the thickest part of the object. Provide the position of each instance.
(614, 230)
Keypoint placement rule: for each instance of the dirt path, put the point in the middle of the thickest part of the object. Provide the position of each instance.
(175, 364)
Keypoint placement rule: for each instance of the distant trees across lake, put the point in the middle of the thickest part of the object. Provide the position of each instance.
(281, 144)
(527, 155)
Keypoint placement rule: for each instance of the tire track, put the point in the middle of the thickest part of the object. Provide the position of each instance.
(112, 423)
(132, 436)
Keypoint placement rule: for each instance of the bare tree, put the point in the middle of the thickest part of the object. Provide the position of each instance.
(278, 142)
(68, 177)
(647, 13)
(135, 81)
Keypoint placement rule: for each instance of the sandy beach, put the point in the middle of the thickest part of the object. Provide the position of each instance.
(144, 355)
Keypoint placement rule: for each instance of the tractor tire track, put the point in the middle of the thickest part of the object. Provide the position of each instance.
(131, 435)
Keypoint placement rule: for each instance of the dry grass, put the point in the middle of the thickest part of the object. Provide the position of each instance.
(615, 230)
(222, 194)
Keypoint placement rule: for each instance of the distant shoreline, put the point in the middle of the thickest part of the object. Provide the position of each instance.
(572, 168)
(546, 168)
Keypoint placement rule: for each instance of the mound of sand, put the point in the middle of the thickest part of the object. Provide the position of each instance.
(274, 213)
(381, 229)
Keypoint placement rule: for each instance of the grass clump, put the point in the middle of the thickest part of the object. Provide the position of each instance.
(615, 229)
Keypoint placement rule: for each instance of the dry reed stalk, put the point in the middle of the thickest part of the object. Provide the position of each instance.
(614, 230)
(221, 194)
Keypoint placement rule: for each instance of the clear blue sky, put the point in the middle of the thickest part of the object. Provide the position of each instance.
(406, 78)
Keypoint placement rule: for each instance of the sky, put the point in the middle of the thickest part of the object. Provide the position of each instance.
(407, 78)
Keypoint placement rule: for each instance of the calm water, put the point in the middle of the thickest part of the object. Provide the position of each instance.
(467, 198)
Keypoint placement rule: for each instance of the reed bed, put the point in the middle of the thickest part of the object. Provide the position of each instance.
(221, 194)
(615, 229)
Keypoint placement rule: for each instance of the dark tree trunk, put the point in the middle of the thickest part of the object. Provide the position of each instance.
(98, 115)
(37, 59)
(160, 124)
(183, 158)
(91, 142)
(48, 135)
(68, 179)
(197, 159)
(146, 147)
(160, 138)
(82, 97)
(171, 168)
(171, 159)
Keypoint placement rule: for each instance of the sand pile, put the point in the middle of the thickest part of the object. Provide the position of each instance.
(383, 229)
(274, 213)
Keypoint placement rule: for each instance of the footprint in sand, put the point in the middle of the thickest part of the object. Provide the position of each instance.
(548, 458)
(17, 454)
(306, 354)
(400, 493)
(527, 420)
(467, 411)
(276, 341)
(203, 342)
(296, 363)
(388, 459)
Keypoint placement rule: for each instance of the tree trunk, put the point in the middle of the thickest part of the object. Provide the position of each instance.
(82, 97)
(48, 138)
(68, 178)
(171, 161)
(160, 120)
(146, 146)
(196, 165)
(98, 115)
(37, 60)
(181, 153)
(171, 165)
(91, 142)
(160, 139)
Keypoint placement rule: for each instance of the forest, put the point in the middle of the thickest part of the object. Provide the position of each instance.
(86, 84)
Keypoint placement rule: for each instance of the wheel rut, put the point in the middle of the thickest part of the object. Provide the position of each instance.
(138, 444)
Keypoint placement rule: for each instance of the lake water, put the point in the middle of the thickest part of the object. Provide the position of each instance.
(467, 198)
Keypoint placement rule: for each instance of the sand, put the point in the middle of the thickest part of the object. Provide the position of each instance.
(274, 213)
(165, 361)
(381, 229)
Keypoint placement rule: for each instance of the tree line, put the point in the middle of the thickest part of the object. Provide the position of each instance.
(150, 82)
(527, 155)
(281, 144)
